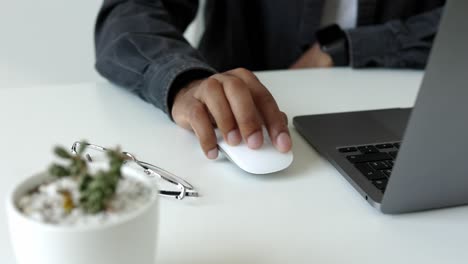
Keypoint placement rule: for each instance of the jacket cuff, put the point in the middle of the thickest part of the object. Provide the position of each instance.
(372, 46)
(164, 73)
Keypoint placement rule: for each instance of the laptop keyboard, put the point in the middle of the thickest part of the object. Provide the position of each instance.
(375, 162)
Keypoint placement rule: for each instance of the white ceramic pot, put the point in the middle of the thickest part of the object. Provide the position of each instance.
(130, 239)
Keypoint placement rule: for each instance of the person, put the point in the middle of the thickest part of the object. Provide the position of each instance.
(140, 46)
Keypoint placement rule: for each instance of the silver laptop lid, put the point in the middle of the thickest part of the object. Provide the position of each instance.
(432, 166)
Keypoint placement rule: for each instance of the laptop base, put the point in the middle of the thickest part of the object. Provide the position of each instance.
(335, 135)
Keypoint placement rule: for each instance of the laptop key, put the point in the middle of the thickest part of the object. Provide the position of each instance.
(387, 172)
(369, 157)
(381, 184)
(384, 146)
(370, 173)
(368, 149)
(347, 149)
(394, 154)
(379, 165)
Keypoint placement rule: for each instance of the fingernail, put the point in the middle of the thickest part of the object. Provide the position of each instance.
(234, 137)
(212, 154)
(255, 140)
(283, 142)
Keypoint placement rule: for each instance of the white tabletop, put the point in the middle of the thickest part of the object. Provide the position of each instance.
(306, 214)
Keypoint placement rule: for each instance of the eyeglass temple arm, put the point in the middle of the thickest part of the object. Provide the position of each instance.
(188, 193)
(187, 189)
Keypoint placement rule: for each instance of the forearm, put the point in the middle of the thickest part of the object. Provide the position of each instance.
(140, 48)
(396, 44)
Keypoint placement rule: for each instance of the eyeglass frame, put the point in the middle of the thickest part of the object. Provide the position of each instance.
(186, 189)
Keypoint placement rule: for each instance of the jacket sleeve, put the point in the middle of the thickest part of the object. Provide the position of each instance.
(140, 46)
(395, 44)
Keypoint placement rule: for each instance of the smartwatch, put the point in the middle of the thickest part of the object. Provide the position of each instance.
(333, 41)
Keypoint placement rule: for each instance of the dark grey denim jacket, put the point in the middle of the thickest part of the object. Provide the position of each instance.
(139, 43)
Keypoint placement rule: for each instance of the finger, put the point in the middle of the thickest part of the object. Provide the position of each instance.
(285, 118)
(211, 93)
(203, 128)
(283, 140)
(243, 108)
(275, 120)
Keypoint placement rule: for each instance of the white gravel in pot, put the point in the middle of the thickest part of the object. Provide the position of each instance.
(45, 204)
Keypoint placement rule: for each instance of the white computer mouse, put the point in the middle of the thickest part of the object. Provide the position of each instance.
(264, 160)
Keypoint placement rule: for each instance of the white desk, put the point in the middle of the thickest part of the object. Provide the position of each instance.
(306, 214)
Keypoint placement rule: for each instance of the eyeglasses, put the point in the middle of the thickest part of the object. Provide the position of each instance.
(183, 188)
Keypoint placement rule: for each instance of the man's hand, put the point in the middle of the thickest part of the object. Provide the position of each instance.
(235, 102)
(313, 58)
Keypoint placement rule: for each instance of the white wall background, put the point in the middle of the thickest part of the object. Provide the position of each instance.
(49, 41)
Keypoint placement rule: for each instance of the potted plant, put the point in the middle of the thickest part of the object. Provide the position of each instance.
(80, 212)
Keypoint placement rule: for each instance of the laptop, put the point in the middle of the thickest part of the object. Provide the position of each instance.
(406, 160)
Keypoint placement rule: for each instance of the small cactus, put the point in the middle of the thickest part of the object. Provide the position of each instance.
(95, 190)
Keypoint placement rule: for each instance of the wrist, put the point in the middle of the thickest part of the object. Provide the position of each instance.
(184, 89)
(333, 41)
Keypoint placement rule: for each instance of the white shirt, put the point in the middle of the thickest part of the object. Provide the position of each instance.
(342, 12)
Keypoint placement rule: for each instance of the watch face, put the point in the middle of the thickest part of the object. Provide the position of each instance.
(330, 34)
(333, 41)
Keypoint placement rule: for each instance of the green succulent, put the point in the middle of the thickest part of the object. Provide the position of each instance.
(95, 190)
